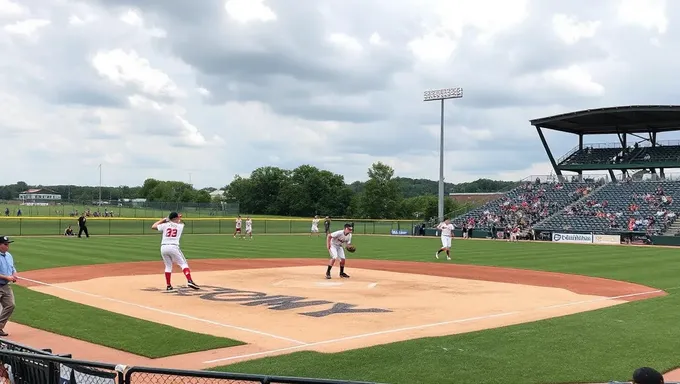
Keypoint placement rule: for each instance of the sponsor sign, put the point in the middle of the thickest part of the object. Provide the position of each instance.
(582, 238)
(400, 232)
(607, 239)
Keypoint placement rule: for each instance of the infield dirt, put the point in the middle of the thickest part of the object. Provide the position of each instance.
(281, 306)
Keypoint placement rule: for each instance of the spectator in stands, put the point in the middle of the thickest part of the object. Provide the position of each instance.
(647, 375)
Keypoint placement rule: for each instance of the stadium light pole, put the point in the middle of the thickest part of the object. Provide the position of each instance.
(100, 185)
(441, 95)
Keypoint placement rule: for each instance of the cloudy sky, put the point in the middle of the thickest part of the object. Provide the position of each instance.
(179, 89)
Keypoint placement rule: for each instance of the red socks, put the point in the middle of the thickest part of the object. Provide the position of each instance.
(187, 273)
(167, 277)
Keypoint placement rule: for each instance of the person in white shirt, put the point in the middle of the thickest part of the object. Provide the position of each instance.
(335, 242)
(315, 226)
(172, 227)
(447, 233)
(238, 227)
(249, 228)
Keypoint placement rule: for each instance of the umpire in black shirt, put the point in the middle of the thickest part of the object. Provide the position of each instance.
(82, 225)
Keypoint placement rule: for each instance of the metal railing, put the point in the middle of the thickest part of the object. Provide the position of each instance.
(24, 365)
(40, 226)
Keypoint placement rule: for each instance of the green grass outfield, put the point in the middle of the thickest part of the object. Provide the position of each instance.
(140, 226)
(596, 346)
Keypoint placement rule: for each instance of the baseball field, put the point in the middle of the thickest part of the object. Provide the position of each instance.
(499, 312)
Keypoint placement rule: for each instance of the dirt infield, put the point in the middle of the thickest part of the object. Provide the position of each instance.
(280, 306)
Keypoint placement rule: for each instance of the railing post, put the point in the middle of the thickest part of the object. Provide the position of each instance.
(219, 226)
(290, 226)
(20, 220)
(265, 226)
(109, 220)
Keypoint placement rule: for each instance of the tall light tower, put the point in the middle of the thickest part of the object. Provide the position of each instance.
(441, 95)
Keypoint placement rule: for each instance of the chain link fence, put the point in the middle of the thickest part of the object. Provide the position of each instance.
(20, 364)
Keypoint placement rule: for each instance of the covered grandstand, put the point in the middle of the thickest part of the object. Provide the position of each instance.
(634, 197)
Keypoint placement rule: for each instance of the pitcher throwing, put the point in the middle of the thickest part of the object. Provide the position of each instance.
(172, 228)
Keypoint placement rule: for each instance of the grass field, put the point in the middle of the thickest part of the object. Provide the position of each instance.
(595, 346)
(139, 226)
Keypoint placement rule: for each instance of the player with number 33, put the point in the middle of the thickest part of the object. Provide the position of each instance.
(171, 227)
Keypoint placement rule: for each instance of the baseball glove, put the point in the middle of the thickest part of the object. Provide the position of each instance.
(350, 248)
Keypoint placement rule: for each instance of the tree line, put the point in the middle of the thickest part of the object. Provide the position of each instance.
(303, 191)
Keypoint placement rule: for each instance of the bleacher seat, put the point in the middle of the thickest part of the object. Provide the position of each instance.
(526, 205)
(648, 206)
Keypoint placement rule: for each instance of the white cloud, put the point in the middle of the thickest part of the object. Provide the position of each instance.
(574, 79)
(132, 17)
(258, 84)
(27, 27)
(128, 68)
(345, 41)
(433, 47)
(11, 8)
(246, 11)
(649, 14)
(571, 31)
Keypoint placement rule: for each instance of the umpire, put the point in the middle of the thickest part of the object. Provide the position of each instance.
(82, 225)
(8, 274)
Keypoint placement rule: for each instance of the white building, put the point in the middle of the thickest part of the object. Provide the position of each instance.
(39, 197)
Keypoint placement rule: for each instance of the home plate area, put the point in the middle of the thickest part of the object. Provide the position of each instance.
(286, 309)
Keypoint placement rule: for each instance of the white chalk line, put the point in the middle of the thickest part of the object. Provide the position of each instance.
(424, 326)
(177, 314)
(372, 285)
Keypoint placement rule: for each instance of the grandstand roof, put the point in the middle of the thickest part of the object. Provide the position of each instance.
(612, 120)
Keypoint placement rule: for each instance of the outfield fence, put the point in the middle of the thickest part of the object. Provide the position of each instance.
(11, 226)
(20, 364)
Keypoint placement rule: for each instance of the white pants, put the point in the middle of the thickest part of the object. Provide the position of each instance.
(249, 230)
(337, 252)
(446, 241)
(315, 228)
(172, 254)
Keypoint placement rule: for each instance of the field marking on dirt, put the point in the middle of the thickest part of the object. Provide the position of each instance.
(424, 326)
(372, 285)
(301, 343)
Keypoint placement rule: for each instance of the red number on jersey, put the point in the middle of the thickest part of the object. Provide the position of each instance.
(171, 232)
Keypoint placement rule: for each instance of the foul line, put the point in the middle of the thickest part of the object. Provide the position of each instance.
(418, 327)
(300, 343)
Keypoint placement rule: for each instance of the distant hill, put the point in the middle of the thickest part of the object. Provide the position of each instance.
(419, 187)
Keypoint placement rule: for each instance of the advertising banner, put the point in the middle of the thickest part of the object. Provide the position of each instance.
(401, 232)
(582, 238)
(607, 239)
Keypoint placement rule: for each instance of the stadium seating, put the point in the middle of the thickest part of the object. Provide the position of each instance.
(592, 156)
(648, 206)
(526, 205)
(663, 154)
(632, 155)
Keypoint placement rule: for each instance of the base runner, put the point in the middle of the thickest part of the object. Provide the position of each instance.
(172, 228)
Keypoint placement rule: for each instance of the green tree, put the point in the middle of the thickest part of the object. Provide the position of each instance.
(381, 196)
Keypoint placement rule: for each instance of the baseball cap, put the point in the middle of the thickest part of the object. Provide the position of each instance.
(647, 375)
(173, 215)
(348, 225)
(5, 240)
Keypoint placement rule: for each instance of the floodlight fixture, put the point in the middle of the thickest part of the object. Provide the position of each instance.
(441, 95)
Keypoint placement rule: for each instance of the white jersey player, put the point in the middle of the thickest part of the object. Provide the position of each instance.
(447, 234)
(249, 227)
(238, 226)
(171, 229)
(335, 242)
(315, 226)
